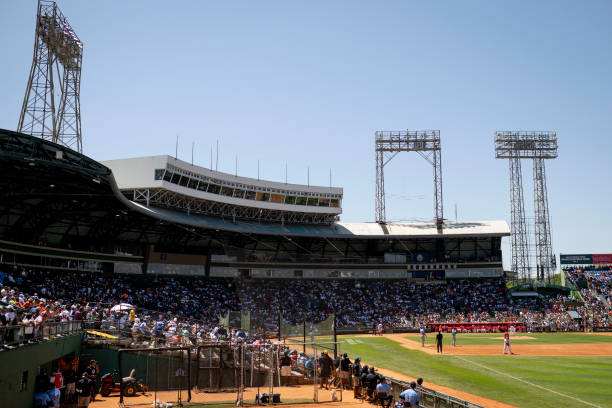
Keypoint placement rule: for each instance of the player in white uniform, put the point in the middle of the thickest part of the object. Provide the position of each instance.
(422, 332)
(507, 342)
(454, 333)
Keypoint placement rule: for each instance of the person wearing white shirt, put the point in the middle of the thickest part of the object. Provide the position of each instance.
(28, 324)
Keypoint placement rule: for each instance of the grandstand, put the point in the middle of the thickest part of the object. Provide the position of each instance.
(209, 288)
(63, 208)
(188, 245)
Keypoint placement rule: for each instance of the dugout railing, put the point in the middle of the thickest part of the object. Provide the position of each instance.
(429, 398)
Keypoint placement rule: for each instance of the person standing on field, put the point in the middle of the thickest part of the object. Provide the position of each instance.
(325, 364)
(422, 332)
(454, 333)
(507, 342)
(439, 341)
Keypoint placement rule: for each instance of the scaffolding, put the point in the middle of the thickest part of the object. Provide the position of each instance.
(427, 144)
(538, 146)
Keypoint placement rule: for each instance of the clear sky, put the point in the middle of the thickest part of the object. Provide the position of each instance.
(308, 84)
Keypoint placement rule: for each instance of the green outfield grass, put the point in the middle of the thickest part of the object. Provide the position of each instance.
(495, 338)
(587, 378)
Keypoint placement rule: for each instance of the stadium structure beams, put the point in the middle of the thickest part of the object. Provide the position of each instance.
(162, 198)
(51, 107)
(427, 144)
(538, 146)
(518, 226)
(545, 261)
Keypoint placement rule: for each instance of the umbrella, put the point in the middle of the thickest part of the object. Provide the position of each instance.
(122, 307)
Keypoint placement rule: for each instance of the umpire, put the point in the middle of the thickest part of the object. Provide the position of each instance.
(439, 341)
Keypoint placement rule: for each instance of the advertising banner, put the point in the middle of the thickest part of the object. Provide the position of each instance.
(581, 259)
(586, 259)
(602, 258)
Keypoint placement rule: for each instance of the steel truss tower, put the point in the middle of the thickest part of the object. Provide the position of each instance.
(427, 144)
(537, 146)
(518, 227)
(51, 107)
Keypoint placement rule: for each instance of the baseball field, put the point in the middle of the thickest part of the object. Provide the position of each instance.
(547, 369)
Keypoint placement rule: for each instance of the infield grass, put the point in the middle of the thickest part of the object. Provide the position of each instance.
(589, 379)
(478, 339)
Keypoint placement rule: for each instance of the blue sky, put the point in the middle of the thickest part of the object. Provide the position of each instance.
(308, 84)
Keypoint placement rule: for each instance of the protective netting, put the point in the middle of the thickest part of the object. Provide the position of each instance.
(323, 328)
(263, 322)
(319, 332)
(290, 331)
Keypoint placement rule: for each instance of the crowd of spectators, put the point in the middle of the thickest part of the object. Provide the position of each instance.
(595, 286)
(173, 307)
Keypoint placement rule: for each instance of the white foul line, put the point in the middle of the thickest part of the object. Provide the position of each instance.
(526, 382)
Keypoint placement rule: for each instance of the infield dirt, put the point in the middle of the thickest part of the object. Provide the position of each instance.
(542, 350)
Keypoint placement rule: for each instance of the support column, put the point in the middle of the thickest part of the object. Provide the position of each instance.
(545, 262)
(518, 227)
(380, 187)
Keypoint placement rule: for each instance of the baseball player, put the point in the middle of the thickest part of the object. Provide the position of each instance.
(507, 342)
(454, 333)
(422, 332)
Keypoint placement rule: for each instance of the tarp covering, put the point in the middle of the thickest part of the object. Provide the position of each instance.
(101, 334)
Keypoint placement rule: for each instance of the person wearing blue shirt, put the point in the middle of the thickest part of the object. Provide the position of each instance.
(410, 396)
(383, 390)
(42, 400)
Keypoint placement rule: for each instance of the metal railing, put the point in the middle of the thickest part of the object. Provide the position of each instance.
(14, 336)
(429, 398)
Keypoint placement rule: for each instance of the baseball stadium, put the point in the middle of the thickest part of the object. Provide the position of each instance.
(157, 282)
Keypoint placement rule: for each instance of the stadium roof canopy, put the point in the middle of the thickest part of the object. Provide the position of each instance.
(340, 229)
(51, 195)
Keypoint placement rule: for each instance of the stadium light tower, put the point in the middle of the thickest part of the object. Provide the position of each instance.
(538, 146)
(56, 45)
(424, 142)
